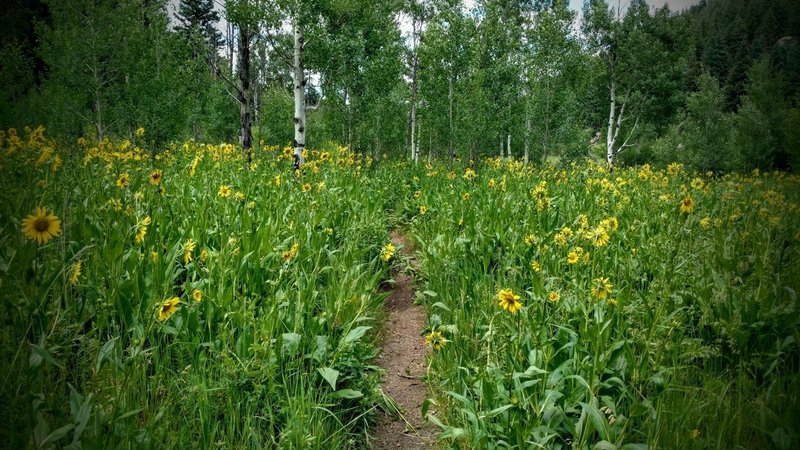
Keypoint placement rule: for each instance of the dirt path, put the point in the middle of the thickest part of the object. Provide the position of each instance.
(403, 357)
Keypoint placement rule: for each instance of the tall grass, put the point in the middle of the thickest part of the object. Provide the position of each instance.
(275, 349)
(696, 345)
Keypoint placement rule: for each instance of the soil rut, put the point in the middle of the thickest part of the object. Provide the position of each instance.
(403, 357)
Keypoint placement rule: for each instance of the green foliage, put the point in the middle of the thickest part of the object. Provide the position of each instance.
(277, 293)
(695, 340)
(703, 135)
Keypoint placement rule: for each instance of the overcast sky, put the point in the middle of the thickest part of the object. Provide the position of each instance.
(405, 22)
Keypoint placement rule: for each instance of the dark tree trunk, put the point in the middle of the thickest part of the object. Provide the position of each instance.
(245, 134)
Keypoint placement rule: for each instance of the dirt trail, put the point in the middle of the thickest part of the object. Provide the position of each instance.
(403, 357)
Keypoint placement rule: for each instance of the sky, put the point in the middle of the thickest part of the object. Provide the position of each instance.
(405, 22)
(577, 5)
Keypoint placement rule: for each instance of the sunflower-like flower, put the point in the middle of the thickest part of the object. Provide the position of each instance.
(291, 253)
(123, 180)
(155, 177)
(197, 295)
(573, 257)
(687, 204)
(387, 252)
(435, 340)
(141, 229)
(598, 236)
(423, 209)
(224, 190)
(553, 296)
(41, 226)
(601, 287)
(75, 272)
(509, 301)
(168, 308)
(187, 249)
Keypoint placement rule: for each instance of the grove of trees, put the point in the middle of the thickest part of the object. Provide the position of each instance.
(716, 86)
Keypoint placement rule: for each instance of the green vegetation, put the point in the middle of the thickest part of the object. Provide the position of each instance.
(603, 205)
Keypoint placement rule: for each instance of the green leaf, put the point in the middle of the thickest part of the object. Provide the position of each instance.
(441, 305)
(356, 334)
(56, 435)
(330, 375)
(425, 406)
(105, 350)
(598, 420)
(499, 410)
(605, 445)
(633, 446)
(38, 354)
(291, 342)
(129, 413)
(348, 393)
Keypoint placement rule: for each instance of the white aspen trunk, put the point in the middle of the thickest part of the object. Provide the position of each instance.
(502, 151)
(412, 121)
(413, 130)
(527, 133)
(450, 152)
(611, 134)
(508, 147)
(430, 147)
(299, 97)
(416, 149)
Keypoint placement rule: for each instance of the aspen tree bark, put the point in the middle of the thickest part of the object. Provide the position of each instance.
(508, 147)
(245, 133)
(527, 133)
(413, 128)
(299, 97)
(412, 120)
(450, 151)
(611, 134)
(416, 149)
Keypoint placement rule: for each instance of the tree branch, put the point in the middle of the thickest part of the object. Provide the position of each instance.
(625, 144)
(218, 73)
(287, 59)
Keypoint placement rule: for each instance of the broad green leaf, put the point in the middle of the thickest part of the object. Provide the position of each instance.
(356, 334)
(330, 375)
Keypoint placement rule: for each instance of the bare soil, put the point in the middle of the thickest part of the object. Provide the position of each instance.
(403, 356)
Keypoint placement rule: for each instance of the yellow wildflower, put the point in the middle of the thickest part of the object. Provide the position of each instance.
(41, 226)
(155, 177)
(168, 308)
(123, 180)
(687, 204)
(509, 301)
(141, 229)
(188, 248)
(435, 340)
(601, 287)
(387, 252)
(75, 272)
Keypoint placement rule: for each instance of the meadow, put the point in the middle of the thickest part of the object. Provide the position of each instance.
(179, 297)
